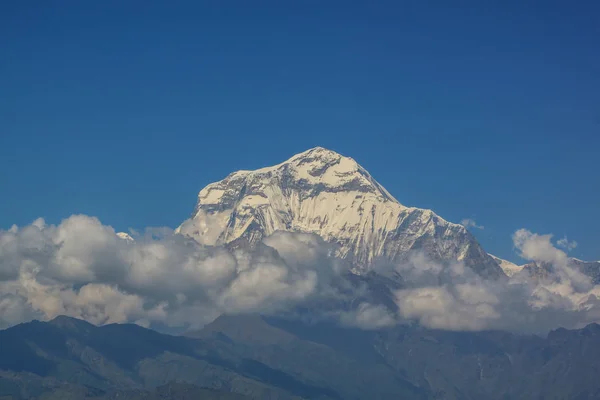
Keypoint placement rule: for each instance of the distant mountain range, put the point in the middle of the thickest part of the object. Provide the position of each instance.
(256, 357)
(535, 269)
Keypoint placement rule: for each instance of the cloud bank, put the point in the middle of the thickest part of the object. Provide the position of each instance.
(548, 294)
(83, 269)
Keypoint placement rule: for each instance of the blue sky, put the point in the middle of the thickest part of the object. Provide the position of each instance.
(125, 110)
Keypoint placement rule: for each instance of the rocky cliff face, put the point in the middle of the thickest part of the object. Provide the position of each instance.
(321, 192)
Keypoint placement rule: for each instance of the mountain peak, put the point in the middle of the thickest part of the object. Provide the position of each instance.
(326, 165)
(323, 192)
(318, 150)
(318, 154)
(70, 323)
(313, 171)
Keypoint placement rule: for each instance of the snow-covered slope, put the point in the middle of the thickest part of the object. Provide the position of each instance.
(509, 268)
(319, 191)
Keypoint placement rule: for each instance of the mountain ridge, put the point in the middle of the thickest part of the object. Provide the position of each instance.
(535, 269)
(266, 357)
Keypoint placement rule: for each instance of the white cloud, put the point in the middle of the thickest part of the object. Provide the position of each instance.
(470, 223)
(460, 307)
(566, 244)
(458, 299)
(368, 316)
(81, 268)
(536, 247)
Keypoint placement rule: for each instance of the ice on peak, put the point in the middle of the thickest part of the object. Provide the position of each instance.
(316, 170)
(318, 152)
(318, 149)
(314, 161)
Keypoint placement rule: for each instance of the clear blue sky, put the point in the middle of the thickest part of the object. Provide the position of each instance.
(125, 109)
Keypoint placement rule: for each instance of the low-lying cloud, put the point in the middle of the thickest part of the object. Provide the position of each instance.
(83, 269)
(548, 294)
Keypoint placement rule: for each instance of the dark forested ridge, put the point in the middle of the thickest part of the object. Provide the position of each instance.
(268, 358)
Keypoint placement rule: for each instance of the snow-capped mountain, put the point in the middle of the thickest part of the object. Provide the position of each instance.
(509, 268)
(589, 268)
(321, 192)
(539, 270)
(544, 270)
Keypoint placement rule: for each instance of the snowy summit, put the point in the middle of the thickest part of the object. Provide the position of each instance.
(322, 192)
